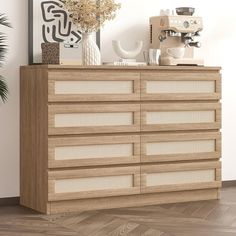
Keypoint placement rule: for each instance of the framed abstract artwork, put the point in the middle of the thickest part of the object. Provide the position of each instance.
(49, 22)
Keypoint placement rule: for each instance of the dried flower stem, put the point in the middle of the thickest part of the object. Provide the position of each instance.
(90, 15)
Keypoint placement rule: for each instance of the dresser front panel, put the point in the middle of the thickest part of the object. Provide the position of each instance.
(180, 146)
(92, 183)
(180, 86)
(100, 137)
(93, 86)
(179, 177)
(180, 116)
(82, 119)
(92, 151)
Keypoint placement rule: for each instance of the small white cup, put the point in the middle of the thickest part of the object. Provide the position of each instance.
(176, 53)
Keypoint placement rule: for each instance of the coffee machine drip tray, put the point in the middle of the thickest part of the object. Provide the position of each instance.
(169, 61)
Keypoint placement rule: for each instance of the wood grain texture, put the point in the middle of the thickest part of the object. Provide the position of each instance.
(89, 173)
(42, 135)
(41, 173)
(180, 76)
(177, 137)
(115, 109)
(28, 138)
(182, 107)
(182, 219)
(199, 69)
(86, 76)
(181, 166)
(53, 143)
(131, 201)
(34, 139)
(177, 168)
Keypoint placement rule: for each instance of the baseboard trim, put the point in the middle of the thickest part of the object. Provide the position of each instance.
(10, 201)
(229, 183)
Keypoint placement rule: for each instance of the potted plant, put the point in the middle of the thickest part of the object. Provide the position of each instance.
(3, 50)
(89, 16)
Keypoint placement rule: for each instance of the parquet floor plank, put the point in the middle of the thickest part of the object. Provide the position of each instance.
(203, 218)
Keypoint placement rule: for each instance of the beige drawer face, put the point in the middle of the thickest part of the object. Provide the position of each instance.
(178, 177)
(93, 86)
(180, 116)
(180, 86)
(180, 146)
(93, 151)
(92, 183)
(81, 119)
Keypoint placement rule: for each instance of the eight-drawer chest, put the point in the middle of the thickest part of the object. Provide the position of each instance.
(108, 137)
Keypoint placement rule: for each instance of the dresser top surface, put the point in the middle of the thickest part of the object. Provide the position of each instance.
(145, 68)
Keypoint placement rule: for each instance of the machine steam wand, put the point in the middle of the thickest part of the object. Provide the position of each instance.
(188, 40)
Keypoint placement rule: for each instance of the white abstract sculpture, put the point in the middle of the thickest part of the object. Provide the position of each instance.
(124, 54)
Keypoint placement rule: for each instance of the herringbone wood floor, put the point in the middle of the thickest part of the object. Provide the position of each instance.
(206, 218)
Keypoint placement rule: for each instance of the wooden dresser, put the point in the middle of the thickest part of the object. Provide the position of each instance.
(110, 137)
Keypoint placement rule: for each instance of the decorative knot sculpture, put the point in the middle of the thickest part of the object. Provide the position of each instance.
(125, 54)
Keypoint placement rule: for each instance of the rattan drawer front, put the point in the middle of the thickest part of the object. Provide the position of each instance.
(180, 86)
(180, 116)
(93, 86)
(179, 177)
(93, 151)
(82, 119)
(180, 146)
(92, 183)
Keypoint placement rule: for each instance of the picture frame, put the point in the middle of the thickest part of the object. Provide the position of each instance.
(49, 22)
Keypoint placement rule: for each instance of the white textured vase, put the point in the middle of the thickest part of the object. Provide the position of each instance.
(90, 52)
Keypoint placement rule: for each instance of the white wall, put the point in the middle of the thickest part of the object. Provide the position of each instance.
(219, 37)
(16, 10)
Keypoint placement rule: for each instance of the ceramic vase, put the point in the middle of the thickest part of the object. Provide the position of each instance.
(90, 52)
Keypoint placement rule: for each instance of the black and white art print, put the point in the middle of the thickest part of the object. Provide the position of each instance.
(49, 22)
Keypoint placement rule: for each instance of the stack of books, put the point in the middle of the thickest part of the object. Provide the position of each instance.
(126, 62)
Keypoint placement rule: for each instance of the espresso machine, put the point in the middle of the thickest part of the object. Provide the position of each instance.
(176, 34)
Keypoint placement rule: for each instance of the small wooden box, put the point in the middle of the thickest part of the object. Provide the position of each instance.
(50, 53)
(61, 53)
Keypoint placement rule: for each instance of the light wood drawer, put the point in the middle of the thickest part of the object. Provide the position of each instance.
(180, 116)
(92, 151)
(180, 146)
(100, 118)
(93, 86)
(92, 183)
(180, 86)
(178, 177)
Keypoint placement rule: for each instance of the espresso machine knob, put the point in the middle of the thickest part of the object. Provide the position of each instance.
(186, 24)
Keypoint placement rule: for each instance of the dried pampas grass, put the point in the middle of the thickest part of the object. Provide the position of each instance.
(90, 15)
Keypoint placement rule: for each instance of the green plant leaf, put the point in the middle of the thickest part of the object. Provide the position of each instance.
(4, 21)
(3, 47)
(3, 89)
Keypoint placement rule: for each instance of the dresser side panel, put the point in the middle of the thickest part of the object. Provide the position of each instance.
(41, 140)
(33, 139)
(28, 137)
